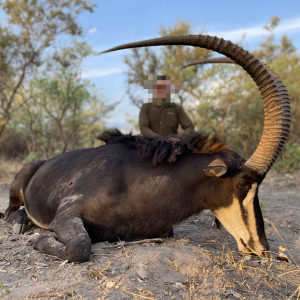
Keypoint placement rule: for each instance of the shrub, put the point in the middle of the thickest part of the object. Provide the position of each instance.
(290, 158)
(30, 157)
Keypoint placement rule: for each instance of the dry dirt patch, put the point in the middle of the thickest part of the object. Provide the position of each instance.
(199, 263)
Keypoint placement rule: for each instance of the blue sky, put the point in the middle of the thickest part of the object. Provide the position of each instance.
(118, 22)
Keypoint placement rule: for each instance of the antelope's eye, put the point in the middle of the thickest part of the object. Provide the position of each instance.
(243, 183)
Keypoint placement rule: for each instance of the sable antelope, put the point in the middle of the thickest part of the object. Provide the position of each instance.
(136, 187)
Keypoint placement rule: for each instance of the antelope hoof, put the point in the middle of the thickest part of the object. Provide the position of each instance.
(20, 222)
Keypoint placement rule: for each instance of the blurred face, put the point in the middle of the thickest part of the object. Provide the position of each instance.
(163, 90)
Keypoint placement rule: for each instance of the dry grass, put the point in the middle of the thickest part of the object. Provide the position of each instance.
(226, 274)
(249, 274)
(8, 169)
(235, 276)
(141, 295)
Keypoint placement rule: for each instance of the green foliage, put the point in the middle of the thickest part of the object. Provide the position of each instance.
(32, 156)
(59, 111)
(290, 158)
(295, 228)
(5, 291)
(30, 28)
(44, 19)
(262, 206)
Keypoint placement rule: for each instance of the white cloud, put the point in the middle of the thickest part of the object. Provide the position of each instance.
(93, 31)
(287, 26)
(101, 73)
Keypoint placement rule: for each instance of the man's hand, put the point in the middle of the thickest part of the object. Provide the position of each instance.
(173, 139)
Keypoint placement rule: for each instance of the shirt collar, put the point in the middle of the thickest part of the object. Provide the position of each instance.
(168, 105)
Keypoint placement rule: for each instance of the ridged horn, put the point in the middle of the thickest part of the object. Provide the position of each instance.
(274, 94)
(285, 103)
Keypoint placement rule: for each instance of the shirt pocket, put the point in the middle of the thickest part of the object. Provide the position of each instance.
(171, 119)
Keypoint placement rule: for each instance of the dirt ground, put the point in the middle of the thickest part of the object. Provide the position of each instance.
(199, 263)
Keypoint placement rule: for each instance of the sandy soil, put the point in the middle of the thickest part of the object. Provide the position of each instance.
(199, 263)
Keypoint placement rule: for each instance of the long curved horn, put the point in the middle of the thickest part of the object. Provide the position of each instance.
(284, 104)
(274, 95)
(224, 60)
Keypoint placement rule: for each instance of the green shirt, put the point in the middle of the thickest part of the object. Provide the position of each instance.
(164, 120)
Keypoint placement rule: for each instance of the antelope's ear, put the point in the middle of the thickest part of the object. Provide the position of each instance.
(216, 168)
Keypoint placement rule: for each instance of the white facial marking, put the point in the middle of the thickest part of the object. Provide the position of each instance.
(251, 194)
(232, 219)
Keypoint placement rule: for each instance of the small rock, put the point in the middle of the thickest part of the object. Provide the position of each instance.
(110, 284)
(179, 284)
(234, 294)
(63, 263)
(283, 257)
(141, 271)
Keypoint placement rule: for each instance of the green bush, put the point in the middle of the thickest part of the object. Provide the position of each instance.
(30, 157)
(290, 158)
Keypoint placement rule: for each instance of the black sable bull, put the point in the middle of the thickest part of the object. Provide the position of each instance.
(135, 187)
